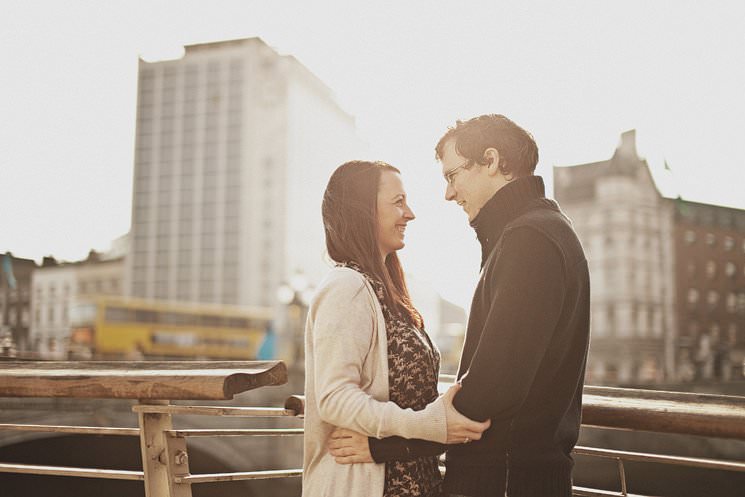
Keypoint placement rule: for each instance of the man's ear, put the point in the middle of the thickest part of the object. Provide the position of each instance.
(491, 156)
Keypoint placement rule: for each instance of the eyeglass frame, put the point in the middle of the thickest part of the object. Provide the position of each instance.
(451, 173)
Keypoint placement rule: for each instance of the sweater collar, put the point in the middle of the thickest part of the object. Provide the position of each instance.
(503, 207)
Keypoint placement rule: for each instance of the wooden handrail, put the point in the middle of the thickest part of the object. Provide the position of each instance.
(144, 380)
(721, 416)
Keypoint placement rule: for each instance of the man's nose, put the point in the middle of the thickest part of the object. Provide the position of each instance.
(449, 192)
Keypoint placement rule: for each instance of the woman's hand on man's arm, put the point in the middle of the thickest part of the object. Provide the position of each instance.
(460, 428)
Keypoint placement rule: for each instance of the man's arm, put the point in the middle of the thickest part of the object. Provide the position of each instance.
(402, 449)
(351, 447)
(527, 291)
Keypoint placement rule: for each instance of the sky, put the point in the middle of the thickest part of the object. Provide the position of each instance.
(575, 74)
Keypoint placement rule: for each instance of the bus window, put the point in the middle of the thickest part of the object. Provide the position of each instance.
(241, 323)
(175, 318)
(145, 316)
(210, 320)
(118, 314)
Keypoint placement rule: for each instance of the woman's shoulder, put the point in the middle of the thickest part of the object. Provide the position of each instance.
(341, 282)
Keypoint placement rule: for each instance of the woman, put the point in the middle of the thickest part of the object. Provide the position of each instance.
(370, 367)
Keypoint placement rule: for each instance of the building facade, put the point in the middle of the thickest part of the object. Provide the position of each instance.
(56, 286)
(627, 230)
(667, 275)
(234, 145)
(15, 299)
(710, 275)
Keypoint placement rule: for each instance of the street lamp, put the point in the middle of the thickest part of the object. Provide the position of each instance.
(295, 296)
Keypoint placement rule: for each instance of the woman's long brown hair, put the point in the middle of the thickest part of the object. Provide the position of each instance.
(349, 212)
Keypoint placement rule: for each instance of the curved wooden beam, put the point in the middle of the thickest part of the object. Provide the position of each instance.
(144, 380)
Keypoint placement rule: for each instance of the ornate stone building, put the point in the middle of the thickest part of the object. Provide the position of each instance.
(667, 275)
(627, 230)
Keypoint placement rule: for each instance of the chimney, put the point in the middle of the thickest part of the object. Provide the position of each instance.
(627, 147)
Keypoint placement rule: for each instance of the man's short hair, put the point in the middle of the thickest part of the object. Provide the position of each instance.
(518, 152)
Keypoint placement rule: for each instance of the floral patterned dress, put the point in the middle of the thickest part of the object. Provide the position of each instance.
(413, 368)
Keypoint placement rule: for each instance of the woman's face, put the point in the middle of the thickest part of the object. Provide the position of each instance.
(393, 213)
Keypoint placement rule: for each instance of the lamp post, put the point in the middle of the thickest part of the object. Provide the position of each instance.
(295, 297)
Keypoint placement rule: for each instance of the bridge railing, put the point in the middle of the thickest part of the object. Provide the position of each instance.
(164, 451)
(154, 385)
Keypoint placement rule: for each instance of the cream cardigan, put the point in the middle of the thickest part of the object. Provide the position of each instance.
(346, 385)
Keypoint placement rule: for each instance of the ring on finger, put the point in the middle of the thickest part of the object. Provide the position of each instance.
(466, 440)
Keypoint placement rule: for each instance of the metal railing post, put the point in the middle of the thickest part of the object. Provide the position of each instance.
(162, 458)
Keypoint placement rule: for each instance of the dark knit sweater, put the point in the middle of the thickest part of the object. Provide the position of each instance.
(524, 355)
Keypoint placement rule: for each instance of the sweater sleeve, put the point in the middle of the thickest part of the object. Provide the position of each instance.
(342, 323)
(526, 287)
(402, 449)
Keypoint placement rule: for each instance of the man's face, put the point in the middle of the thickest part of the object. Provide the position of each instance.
(468, 184)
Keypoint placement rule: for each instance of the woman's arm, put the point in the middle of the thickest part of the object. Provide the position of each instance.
(341, 330)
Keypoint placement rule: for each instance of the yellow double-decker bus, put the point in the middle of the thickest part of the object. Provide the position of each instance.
(128, 328)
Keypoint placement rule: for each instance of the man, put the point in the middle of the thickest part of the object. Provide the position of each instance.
(523, 361)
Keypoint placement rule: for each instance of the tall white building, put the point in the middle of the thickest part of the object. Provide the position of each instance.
(234, 146)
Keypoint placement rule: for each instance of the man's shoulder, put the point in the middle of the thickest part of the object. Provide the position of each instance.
(550, 222)
(541, 212)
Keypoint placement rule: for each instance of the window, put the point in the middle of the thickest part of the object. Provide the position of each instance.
(118, 314)
(731, 302)
(710, 239)
(691, 269)
(711, 269)
(729, 243)
(730, 269)
(690, 237)
(692, 295)
(741, 302)
(732, 334)
(714, 330)
(712, 298)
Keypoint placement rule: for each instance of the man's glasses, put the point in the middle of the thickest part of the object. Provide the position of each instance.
(451, 174)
